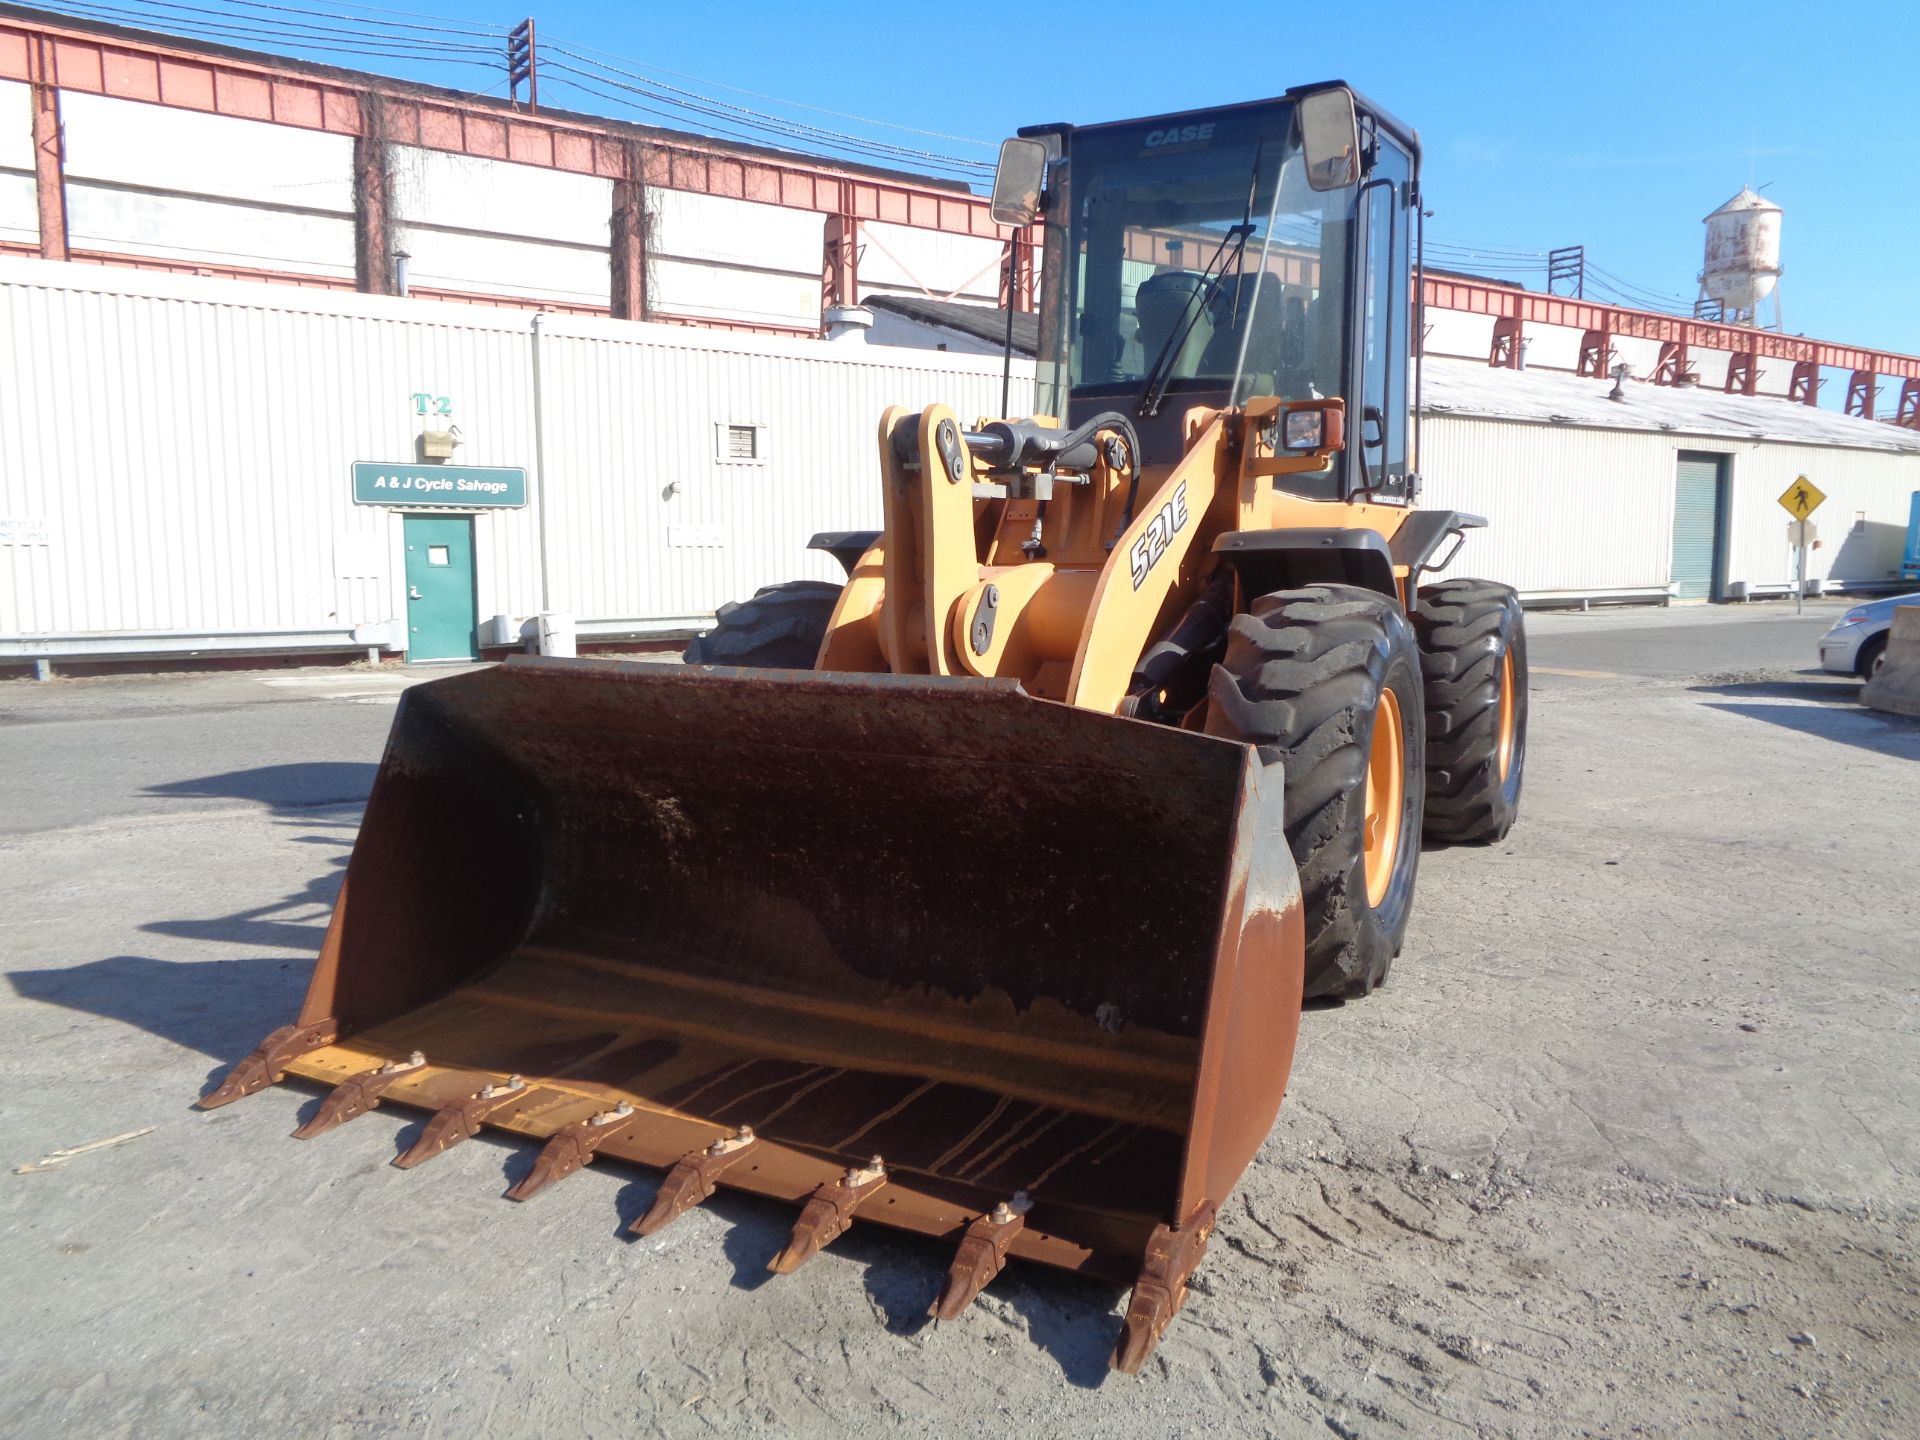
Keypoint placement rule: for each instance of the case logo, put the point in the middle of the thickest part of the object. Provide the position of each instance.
(1180, 135)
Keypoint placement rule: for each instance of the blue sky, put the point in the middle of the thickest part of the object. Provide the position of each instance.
(1613, 124)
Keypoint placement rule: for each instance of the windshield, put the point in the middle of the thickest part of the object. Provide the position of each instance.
(1196, 256)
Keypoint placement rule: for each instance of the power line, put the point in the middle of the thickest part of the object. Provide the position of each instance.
(718, 126)
(328, 42)
(442, 27)
(739, 114)
(791, 104)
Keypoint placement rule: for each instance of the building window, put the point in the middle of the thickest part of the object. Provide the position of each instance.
(740, 443)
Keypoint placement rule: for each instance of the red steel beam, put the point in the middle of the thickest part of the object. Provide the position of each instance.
(1505, 303)
(129, 69)
(49, 150)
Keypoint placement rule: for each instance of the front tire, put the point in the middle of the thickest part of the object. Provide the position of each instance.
(1325, 681)
(1871, 657)
(780, 628)
(1473, 651)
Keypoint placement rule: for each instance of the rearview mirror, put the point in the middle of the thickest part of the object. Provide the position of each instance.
(1329, 136)
(1017, 181)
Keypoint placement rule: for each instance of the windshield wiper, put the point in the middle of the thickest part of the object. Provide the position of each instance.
(1161, 375)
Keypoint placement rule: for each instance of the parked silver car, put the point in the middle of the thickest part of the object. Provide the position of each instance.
(1857, 643)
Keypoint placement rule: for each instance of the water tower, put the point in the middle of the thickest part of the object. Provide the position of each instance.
(1743, 259)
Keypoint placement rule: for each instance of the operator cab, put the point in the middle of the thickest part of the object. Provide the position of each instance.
(1210, 257)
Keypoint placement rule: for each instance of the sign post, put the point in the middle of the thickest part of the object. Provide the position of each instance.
(1800, 500)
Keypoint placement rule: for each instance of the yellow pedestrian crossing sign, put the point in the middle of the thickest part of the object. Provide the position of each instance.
(1801, 498)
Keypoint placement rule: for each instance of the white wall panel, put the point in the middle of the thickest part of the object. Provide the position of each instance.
(472, 192)
(163, 148)
(1586, 510)
(685, 287)
(912, 261)
(187, 443)
(1567, 510)
(211, 232)
(495, 265)
(174, 456)
(16, 125)
(1862, 525)
(638, 467)
(1457, 332)
(19, 209)
(738, 232)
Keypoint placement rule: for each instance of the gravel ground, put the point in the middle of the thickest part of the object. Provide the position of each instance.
(1626, 1146)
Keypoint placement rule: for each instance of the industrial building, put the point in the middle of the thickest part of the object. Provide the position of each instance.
(242, 297)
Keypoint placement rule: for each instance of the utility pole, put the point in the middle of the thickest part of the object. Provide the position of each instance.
(1567, 266)
(523, 64)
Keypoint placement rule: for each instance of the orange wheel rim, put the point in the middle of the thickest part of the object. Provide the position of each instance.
(1508, 729)
(1386, 795)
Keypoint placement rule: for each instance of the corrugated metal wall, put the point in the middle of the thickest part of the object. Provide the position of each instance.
(1585, 511)
(646, 421)
(1573, 511)
(175, 452)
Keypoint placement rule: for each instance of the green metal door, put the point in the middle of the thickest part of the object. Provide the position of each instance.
(1697, 527)
(441, 619)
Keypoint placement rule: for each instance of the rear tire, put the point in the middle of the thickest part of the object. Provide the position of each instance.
(1473, 652)
(1303, 680)
(1870, 657)
(780, 628)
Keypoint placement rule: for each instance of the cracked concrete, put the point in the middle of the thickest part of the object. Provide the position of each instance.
(1636, 1109)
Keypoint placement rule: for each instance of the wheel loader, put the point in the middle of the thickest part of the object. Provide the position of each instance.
(979, 895)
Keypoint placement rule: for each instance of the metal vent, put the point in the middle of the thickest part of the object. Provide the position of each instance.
(740, 443)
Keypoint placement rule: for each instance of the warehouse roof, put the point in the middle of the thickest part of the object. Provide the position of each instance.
(982, 322)
(1469, 387)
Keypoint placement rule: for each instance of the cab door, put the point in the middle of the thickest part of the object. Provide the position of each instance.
(1378, 426)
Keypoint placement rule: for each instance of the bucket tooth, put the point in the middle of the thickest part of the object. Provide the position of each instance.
(355, 1096)
(267, 1065)
(982, 1255)
(1172, 1255)
(828, 1214)
(460, 1120)
(692, 1180)
(571, 1148)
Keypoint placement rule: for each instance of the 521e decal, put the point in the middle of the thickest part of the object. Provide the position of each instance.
(1146, 550)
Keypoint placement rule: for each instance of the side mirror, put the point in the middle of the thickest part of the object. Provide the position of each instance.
(1329, 136)
(1313, 425)
(1017, 181)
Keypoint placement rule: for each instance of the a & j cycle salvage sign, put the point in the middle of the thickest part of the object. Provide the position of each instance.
(451, 487)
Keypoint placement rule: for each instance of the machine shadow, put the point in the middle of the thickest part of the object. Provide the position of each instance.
(221, 1007)
(1837, 716)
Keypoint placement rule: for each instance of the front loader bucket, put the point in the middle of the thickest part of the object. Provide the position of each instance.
(1026, 955)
